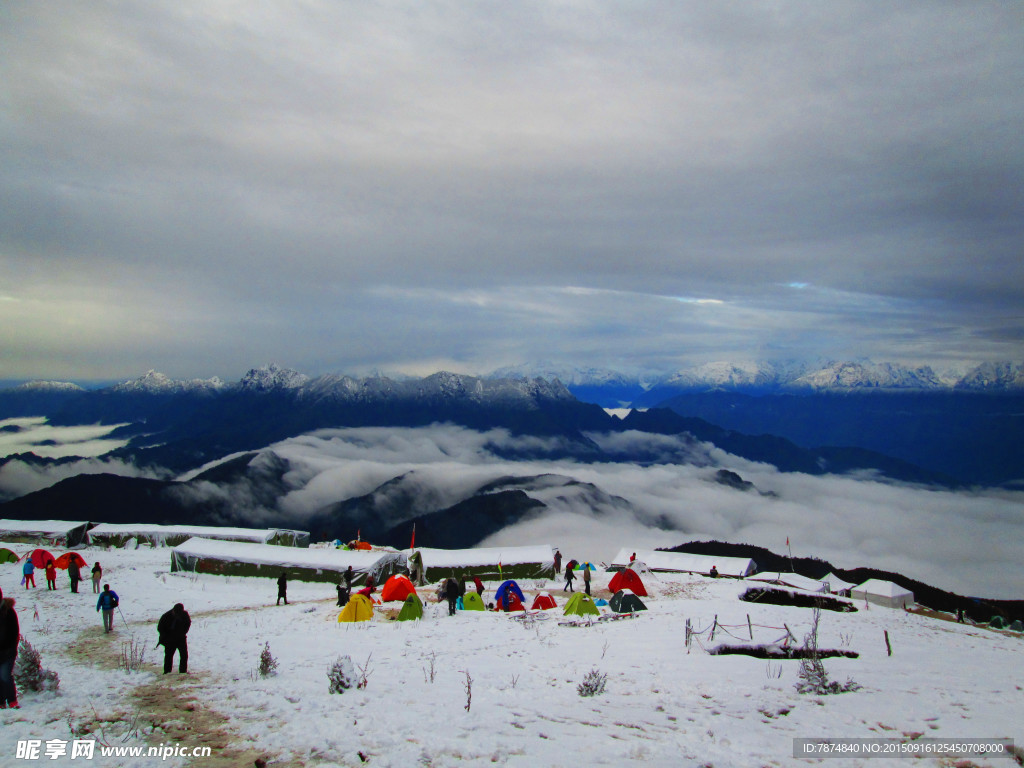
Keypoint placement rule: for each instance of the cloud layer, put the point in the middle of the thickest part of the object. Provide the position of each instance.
(966, 542)
(336, 186)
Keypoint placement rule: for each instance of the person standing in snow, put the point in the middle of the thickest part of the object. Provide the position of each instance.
(343, 594)
(97, 574)
(51, 575)
(568, 577)
(75, 573)
(282, 588)
(451, 592)
(28, 570)
(173, 629)
(10, 632)
(479, 586)
(108, 602)
(349, 575)
(586, 578)
(558, 562)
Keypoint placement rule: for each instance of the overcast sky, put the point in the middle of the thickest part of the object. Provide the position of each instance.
(203, 187)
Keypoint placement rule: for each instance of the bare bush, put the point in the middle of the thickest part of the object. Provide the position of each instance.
(593, 683)
(29, 673)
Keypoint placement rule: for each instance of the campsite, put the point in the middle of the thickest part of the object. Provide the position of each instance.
(485, 687)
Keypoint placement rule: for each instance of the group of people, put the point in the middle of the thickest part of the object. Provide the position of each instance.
(570, 575)
(28, 571)
(452, 589)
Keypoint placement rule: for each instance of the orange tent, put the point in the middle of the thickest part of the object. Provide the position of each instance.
(543, 602)
(397, 588)
(65, 560)
(627, 579)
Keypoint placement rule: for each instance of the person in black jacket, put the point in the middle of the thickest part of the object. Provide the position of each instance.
(451, 592)
(282, 588)
(173, 629)
(75, 573)
(10, 631)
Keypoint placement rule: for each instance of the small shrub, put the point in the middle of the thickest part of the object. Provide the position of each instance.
(133, 655)
(29, 673)
(342, 675)
(593, 683)
(268, 664)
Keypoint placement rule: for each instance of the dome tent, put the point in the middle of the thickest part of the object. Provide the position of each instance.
(412, 609)
(625, 601)
(627, 579)
(396, 588)
(543, 602)
(359, 608)
(580, 604)
(472, 602)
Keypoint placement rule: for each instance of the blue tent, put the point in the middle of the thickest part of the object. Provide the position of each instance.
(504, 589)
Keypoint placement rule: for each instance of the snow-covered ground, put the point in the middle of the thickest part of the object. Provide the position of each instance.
(663, 705)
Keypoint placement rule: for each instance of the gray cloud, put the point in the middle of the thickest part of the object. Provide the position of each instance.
(324, 184)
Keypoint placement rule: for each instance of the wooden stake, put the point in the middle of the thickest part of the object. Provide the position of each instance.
(750, 627)
(888, 647)
(714, 627)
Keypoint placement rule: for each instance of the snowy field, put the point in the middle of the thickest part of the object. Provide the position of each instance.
(664, 705)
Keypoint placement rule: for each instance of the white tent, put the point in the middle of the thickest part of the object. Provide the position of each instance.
(681, 562)
(794, 580)
(883, 593)
(111, 534)
(535, 561)
(239, 558)
(837, 585)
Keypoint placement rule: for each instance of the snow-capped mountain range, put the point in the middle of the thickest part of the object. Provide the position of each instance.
(790, 375)
(551, 380)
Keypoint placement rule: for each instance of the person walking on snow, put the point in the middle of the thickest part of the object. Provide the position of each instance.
(97, 574)
(10, 631)
(586, 578)
(558, 562)
(108, 602)
(51, 575)
(282, 588)
(568, 577)
(76, 575)
(29, 572)
(173, 629)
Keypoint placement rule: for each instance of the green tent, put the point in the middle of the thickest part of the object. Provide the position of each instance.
(412, 609)
(1017, 626)
(6, 556)
(472, 601)
(580, 604)
(997, 623)
(625, 601)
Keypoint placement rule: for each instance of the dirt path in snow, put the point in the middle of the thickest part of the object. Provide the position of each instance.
(167, 710)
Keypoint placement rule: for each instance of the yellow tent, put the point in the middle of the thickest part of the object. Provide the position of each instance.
(359, 608)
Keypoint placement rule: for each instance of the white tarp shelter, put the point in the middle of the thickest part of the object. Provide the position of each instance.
(529, 562)
(111, 534)
(794, 580)
(237, 558)
(837, 585)
(883, 593)
(682, 562)
(52, 532)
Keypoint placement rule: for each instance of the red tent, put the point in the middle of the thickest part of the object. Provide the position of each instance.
(398, 587)
(627, 579)
(514, 603)
(65, 560)
(40, 557)
(543, 602)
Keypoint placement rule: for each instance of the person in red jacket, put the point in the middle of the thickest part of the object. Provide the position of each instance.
(10, 632)
(51, 575)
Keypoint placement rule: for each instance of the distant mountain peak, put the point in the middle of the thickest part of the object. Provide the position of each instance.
(271, 377)
(156, 383)
(48, 386)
